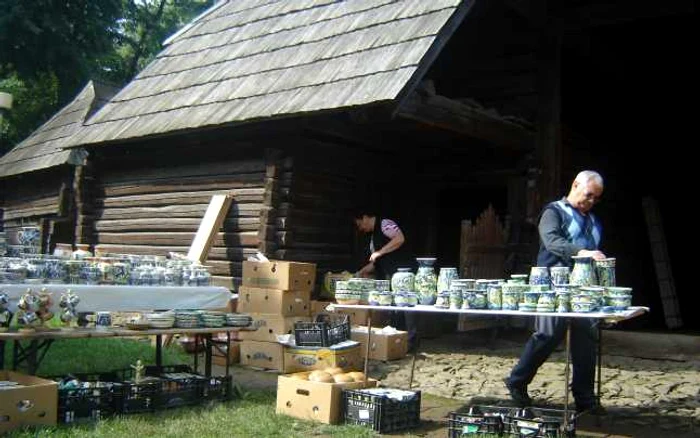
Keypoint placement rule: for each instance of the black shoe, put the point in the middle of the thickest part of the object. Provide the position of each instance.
(518, 394)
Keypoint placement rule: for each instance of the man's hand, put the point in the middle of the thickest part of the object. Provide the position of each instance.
(597, 255)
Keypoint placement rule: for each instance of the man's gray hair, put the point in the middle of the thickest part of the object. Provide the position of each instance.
(587, 175)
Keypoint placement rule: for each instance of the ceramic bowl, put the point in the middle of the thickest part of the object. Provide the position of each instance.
(581, 307)
(620, 302)
(531, 298)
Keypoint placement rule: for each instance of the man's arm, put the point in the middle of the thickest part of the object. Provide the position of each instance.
(390, 246)
(555, 242)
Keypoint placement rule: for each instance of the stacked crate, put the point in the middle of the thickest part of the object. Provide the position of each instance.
(277, 294)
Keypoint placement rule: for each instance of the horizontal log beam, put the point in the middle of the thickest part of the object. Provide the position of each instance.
(181, 211)
(184, 184)
(249, 238)
(239, 195)
(172, 224)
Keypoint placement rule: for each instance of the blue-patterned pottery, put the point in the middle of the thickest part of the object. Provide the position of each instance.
(445, 278)
(495, 297)
(518, 278)
(559, 275)
(583, 273)
(539, 275)
(443, 300)
(605, 271)
(403, 280)
(426, 281)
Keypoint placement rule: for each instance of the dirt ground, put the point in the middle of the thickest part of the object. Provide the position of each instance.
(650, 381)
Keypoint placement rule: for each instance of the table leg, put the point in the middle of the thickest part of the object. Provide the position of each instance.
(196, 353)
(159, 351)
(32, 355)
(369, 340)
(2, 355)
(207, 357)
(416, 346)
(566, 374)
(600, 363)
(228, 352)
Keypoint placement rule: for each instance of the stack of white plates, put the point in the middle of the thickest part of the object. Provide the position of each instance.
(160, 320)
(187, 319)
(238, 320)
(213, 319)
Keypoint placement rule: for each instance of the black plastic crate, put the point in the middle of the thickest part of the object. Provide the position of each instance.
(477, 421)
(218, 388)
(326, 330)
(539, 423)
(164, 387)
(97, 397)
(140, 397)
(379, 412)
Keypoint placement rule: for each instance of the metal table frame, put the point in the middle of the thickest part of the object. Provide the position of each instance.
(36, 343)
(630, 313)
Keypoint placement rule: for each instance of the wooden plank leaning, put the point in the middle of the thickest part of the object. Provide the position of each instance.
(209, 227)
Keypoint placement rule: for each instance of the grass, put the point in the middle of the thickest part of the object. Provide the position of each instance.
(252, 414)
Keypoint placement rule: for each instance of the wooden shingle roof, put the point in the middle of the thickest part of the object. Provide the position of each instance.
(254, 59)
(44, 148)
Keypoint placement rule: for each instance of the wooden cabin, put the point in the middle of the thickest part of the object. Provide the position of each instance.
(431, 111)
(37, 177)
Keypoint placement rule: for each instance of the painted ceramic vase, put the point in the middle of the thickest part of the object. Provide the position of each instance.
(426, 281)
(563, 301)
(583, 273)
(539, 275)
(445, 278)
(29, 236)
(559, 275)
(605, 270)
(403, 280)
(443, 300)
(56, 271)
(495, 300)
(455, 298)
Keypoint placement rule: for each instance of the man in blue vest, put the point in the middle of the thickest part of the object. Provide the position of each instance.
(566, 228)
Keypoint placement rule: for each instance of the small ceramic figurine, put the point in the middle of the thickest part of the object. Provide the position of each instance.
(139, 371)
(5, 314)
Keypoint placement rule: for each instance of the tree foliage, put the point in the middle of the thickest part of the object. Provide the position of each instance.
(49, 49)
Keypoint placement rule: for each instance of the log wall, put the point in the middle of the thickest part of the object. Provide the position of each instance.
(135, 206)
(43, 198)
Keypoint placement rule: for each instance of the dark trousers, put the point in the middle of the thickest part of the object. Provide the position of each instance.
(550, 332)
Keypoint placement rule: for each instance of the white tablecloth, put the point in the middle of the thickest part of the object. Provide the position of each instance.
(631, 312)
(127, 298)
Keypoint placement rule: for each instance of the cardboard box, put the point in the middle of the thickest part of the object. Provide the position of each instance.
(269, 326)
(319, 306)
(345, 355)
(274, 301)
(314, 400)
(279, 275)
(266, 355)
(33, 403)
(234, 354)
(382, 346)
(359, 316)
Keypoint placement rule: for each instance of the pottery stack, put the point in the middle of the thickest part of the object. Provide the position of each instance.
(277, 294)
